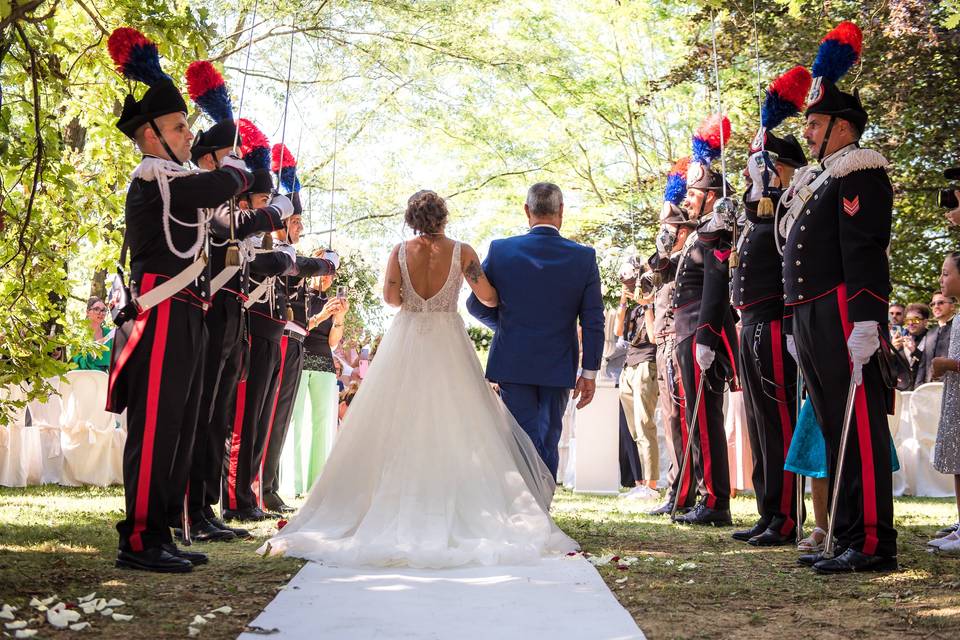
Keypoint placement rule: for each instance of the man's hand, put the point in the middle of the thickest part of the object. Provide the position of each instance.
(942, 365)
(863, 342)
(705, 356)
(282, 204)
(584, 390)
(232, 161)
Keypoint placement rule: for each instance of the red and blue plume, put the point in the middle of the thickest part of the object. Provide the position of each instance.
(207, 88)
(254, 145)
(136, 56)
(286, 164)
(677, 182)
(709, 139)
(839, 50)
(785, 97)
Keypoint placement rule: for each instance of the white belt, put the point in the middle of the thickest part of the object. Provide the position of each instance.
(170, 287)
(222, 278)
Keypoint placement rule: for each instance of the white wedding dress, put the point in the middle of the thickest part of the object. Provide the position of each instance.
(430, 469)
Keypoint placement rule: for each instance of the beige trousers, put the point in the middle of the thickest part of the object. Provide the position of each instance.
(638, 395)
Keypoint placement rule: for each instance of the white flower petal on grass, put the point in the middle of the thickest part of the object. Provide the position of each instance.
(34, 602)
(193, 631)
(87, 598)
(6, 613)
(89, 607)
(80, 626)
(224, 610)
(198, 620)
(115, 603)
(687, 565)
(209, 616)
(106, 612)
(122, 617)
(668, 562)
(101, 604)
(61, 618)
(16, 624)
(25, 633)
(47, 601)
(621, 580)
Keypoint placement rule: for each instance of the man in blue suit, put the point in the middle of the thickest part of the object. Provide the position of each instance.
(545, 283)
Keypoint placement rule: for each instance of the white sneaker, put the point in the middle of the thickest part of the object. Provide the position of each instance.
(951, 547)
(641, 492)
(938, 543)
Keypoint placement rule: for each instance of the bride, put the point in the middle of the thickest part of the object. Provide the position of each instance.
(430, 469)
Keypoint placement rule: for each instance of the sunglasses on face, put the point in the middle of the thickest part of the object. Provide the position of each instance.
(913, 321)
(937, 303)
(99, 309)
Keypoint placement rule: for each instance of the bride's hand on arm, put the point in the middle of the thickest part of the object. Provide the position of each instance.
(476, 278)
(391, 280)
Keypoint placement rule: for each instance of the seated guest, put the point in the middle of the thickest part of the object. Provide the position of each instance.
(936, 343)
(911, 337)
(98, 359)
(946, 454)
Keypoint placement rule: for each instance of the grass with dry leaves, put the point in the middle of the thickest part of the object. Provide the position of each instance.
(60, 541)
(738, 591)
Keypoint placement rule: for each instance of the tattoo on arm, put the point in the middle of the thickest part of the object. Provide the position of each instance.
(473, 272)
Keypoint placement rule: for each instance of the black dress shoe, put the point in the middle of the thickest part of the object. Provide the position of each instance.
(252, 514)
(852, 561)
(202, 530)
(948, 530)
(663, 510)
(193, 557)
(755, 530)
(771, 538)
(704, 515)
(275, 503)
(242, 534)
(810, 559)
(156, 559)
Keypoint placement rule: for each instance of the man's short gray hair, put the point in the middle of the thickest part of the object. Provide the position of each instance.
(544, 199)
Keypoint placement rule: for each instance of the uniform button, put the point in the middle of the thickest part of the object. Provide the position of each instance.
(816, 196)
(800, 280)
(800, 297)
(741, 289)
(743, 278)
(783, 280)
(797, 263)
(803, 228)
(203, 293)
(799, 246)
(781, 262)
(202, 278)
(784, 296)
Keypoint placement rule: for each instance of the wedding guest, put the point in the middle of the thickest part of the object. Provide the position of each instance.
(909, 341)
(638, 384)
(946, 453)
(98, 359)
(315, 410)
(936, 343)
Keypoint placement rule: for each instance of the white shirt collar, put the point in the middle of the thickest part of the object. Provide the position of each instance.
(544, 224)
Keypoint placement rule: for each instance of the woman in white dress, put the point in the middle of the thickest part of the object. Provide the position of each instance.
(430, 469)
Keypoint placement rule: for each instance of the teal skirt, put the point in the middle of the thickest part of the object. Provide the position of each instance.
(808, 450)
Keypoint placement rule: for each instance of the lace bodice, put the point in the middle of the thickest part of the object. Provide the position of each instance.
(444, 300)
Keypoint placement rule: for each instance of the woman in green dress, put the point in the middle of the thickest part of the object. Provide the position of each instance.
(98, 358)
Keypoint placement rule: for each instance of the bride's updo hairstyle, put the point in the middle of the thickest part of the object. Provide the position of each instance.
(426, 212)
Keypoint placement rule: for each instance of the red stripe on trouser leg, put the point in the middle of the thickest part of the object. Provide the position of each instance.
(733, 360)
(273, 414)
(235, 445)
(683, 492)
(786, 426)
(865, 442)
(145, 472)
(703, 433)
(129, 346)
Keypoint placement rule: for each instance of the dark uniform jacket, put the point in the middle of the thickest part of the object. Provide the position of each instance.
(246, 224)
(841, 235)
(757, 282)
(145, 235)
(701, 299)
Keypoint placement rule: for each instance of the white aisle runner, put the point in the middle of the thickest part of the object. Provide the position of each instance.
(559, 599)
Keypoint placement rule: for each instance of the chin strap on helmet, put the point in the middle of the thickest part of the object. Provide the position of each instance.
(826, 138)
(163, 141)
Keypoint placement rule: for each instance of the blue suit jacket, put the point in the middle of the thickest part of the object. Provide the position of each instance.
(545, 283)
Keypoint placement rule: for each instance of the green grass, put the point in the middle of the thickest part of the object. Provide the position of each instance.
(56, 540)
(738, 591)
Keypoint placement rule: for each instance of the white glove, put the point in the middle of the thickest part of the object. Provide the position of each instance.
(705, 356)
(724, 216)
(231, 160)
(283, 205)
(863, 342)
(792, 348)
(755, 166)
(333, 257)
(622, 344)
